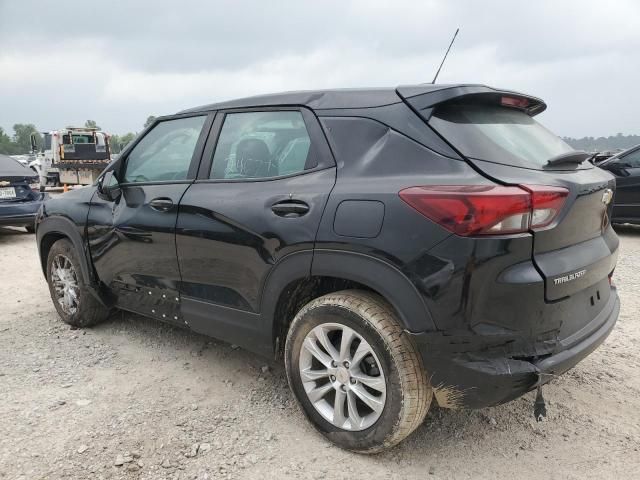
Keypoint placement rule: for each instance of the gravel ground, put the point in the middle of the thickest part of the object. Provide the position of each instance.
(137, 399)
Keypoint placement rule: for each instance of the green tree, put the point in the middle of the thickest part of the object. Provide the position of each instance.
(127, 138)
(22, 137)
(150, 120)
(7, 146)
(91, 124)
(114, 143)
(118, 142)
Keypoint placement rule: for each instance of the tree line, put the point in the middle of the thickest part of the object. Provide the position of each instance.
(600, 144)
(20, 142)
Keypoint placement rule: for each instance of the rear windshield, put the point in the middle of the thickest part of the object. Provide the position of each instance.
(77, 138)
(497, 134)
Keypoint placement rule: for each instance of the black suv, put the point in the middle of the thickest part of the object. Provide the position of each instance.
(393, 245)
(625, 166)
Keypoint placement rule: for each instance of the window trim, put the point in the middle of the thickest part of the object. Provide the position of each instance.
(121, 166)
(316, 135)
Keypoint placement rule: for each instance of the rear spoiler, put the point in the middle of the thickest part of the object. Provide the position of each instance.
(424, 98)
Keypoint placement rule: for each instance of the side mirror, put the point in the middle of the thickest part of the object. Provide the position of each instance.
(34, 143)
(108, 187)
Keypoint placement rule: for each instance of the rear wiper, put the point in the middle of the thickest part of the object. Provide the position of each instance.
(576, 157)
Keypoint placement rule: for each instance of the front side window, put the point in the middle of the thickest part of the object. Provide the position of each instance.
(262, 145)
(46, 145)
(165, 153)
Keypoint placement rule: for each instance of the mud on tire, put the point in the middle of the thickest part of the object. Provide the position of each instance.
(63, 268)
(408, 393)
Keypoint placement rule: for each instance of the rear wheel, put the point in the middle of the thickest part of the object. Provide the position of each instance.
(355, 372)
(71, 297)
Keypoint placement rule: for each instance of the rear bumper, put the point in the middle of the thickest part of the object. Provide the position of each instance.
(20, 214)
(467, 376)
(19, 220)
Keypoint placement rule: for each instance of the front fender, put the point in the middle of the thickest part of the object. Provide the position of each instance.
(59, 226)
(49, 230)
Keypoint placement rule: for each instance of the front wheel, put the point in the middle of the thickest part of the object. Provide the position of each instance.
(71, 297)
(356, 374)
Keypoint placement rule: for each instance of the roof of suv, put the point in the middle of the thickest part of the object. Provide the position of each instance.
(344, 98)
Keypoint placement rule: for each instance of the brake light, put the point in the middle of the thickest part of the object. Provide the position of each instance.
(487, 210)
(517, 102)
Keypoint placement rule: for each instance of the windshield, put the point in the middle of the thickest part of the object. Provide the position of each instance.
(497, 134)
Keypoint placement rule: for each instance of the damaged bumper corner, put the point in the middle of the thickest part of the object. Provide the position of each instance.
(478, 378)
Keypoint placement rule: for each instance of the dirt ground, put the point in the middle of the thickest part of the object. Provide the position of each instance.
(137, 399)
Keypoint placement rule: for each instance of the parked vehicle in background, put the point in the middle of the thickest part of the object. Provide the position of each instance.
(20, 196)
(391, 244)
(23, 159)
(73, 156)
(626, 168)
(599, 157)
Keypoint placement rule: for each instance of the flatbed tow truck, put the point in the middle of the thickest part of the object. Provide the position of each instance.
(71, 156)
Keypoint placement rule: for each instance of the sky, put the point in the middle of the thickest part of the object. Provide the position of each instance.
(117, 62)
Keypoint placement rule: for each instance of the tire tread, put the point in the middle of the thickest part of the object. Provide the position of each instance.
(415, 388)
(91, 311)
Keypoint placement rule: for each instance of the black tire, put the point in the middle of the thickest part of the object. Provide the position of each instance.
(408, 393)
(30, 229)
(89, 311)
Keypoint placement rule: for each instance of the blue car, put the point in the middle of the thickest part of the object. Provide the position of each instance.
(20, 196)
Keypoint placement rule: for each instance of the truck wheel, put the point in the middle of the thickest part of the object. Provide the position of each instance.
(73, 301)
(356, 374)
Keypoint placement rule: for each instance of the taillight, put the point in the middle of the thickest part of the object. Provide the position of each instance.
(546, 202)
(487, 210)
(34, 184)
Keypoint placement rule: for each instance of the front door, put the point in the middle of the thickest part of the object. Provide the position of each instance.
(258, 199)
(132, 239)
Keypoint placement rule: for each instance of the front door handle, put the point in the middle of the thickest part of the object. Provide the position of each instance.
(161, 204)
(290, 208)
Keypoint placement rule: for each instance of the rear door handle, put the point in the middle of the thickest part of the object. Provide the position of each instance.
(161, 204)
(290, 208)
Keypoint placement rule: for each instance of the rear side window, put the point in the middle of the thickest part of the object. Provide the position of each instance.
(262, 145)
(497, 134)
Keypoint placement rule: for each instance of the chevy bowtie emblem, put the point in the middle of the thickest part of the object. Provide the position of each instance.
(4, 184)
(607, 196)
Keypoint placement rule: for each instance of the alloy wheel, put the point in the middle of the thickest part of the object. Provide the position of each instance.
(342, 376)
(65, 284)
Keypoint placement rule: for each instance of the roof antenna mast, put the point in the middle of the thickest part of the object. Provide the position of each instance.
(445, 55)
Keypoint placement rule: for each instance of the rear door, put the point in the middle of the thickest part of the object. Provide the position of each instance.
(132, 239)
(626, 169)
(261, 190)
(577, 251)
